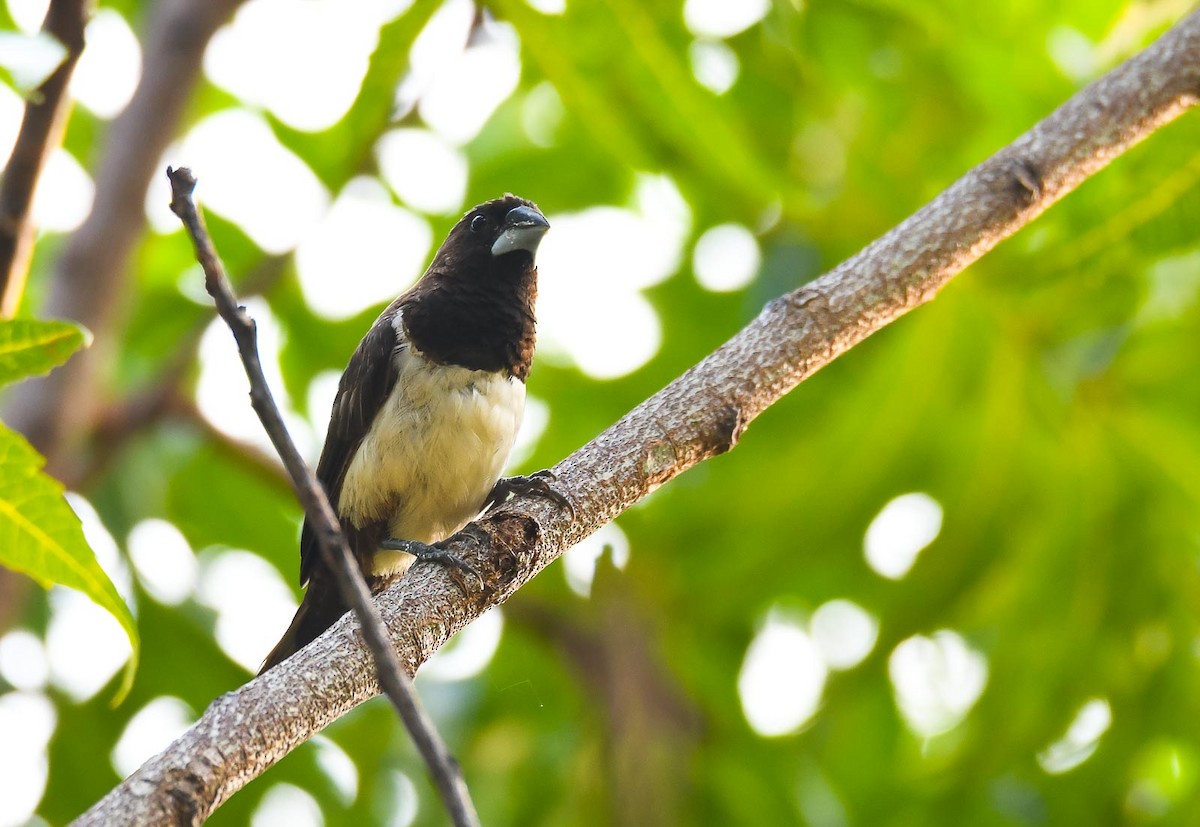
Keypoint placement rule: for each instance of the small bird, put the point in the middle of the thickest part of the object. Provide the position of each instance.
(427, 410)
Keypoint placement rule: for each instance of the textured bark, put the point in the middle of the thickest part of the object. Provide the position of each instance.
(41, 133)
(697, 416)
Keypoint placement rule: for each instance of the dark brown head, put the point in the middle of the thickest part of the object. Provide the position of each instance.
(498, 237)
(474, 307)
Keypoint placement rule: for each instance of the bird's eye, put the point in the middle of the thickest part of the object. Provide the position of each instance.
(479, 223)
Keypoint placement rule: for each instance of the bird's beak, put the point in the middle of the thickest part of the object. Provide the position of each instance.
(523, 230)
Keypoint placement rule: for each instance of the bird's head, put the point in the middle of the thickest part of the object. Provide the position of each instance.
(502, 234)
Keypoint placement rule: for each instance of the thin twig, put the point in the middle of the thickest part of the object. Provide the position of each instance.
(395, 681)
(699, 415)
(162, 397)
(41, 133)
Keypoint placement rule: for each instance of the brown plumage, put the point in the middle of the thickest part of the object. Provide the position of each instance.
(428, 406)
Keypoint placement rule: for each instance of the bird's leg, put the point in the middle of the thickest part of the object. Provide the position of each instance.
(436, 553)
(540, 483)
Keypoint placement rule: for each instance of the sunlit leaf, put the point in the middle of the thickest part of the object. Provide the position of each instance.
(32, 348)
(42, 537)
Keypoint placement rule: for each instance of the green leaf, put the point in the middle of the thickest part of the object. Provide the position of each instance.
(41, 536)
(32, 348)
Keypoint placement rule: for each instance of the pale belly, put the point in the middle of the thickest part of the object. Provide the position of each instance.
(433, 454)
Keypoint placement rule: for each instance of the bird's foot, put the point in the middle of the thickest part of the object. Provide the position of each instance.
(436, 553)
(539, 484)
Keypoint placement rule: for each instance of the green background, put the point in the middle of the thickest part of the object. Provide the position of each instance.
(1048, 400)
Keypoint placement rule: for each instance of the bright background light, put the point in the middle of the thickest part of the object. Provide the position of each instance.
(721, 18)
(253, 604)
(782, 678)
(149, 731)
(249, 177)
(290, 805)
(109, 68)
(936, 680)
(904, 527)
(27, 720)
(364, 252)
(726, 258)
(581, 559)
(296, 74)
(593, 267)
(1083, 736)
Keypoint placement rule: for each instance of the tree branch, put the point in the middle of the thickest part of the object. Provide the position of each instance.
(41, 133)
(90, 274)
(55, 412)
(336, 553)
(699, 415)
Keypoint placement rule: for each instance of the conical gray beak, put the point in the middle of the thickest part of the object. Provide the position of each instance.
(523, 230)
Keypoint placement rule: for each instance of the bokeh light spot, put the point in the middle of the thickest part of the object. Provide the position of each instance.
(424, 170)
(27, 721)
(936, 681)
(365, 251)
(338, 768)
(1083, 736)
(84, 644)
(252, 603)
(396, 801)
(290, 805)
(592, 268)
(469, 652)
(722, 18)
(251, 58)
(844, 632)
(64, 194)
(162, 560)
(250, 178)
(542, 113)
(109, 68)
(455, 84)
(782, 678)
(28, 14)
(726, 258)
(23, 663)
(714, 64)
(579, 561)
(149, 731)
(222, 390)
(904, 527)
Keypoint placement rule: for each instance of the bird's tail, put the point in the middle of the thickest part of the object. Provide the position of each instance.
(320, 609)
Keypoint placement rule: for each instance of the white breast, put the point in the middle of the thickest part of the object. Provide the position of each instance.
(433, 453)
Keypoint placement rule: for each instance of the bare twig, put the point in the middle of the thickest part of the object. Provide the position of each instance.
(699, 415)
(395, 681)
(41, 133)
(163, 397)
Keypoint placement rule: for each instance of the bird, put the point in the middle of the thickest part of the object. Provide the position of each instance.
(427, 411)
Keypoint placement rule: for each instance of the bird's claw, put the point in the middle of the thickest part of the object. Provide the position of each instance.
(539, 483)
(436, 553)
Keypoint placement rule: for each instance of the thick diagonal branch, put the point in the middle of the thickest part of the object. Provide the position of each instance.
(697, 416)
(396, 683)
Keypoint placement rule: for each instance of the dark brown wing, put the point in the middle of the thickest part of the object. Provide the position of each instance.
(366, 383)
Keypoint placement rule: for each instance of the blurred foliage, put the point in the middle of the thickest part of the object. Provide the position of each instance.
(40, 535)
(1047, 400)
